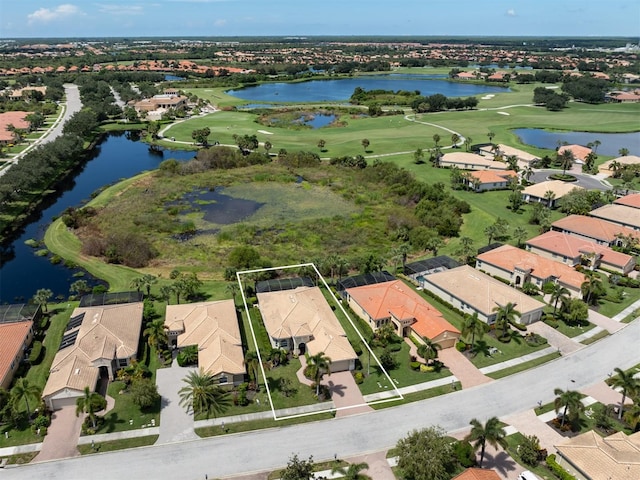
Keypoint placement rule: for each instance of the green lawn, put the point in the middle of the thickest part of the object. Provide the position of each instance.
(595, 338)
(102, 447)
(512, 448)
(523, 366)
(119, 419)
(573, 331)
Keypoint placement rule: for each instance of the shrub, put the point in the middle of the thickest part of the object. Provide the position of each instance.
(415, 365)
(520, 326)
(358, 377)
(55, 259)
(465, 454)
(32, 242)
(551, 322)
(395, 347)
(43, 252)
(426, 368)
(144, 392)
(36, 353)
(560, 472)
(461, 346)
(547, 288)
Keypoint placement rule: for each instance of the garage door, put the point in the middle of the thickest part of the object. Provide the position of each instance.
(58, 403)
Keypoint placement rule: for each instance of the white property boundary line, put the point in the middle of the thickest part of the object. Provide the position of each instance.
(264, 375)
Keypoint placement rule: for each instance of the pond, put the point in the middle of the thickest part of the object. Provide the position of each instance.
(173, 78)
(610, 143)
(340, 90)
(317, 120)
(219, 208)
(118, 156)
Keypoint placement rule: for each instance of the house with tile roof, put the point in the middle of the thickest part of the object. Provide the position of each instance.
(470, 290)
(96, 343)
(483, 180)
(589, 456)
(520, 266)
(594, 229)
(632, 200)
(579, 152)
(470, 161)
(573, 251)
(15, 338)
(15, 118)
(396, 303)
(621, 214)
(213, 328)
(548, 192)
(620, 162)
(477, 474)
(300, 320)
(508, 151)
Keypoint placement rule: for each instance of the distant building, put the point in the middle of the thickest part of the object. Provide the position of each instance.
(579, 152)
(621, 214)
(470, 161)
(484, 180)
(620, 162)
(548, 192)
(632, 200)
(594, 229)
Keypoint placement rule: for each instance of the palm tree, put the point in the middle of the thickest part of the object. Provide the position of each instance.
(591, 287)
(436, 139)
(318, 365)
(252, 362)
(506, 315)
(559, 294)
(165, 292)
(365, 144)
(491, 135)
(596, 144)
(147, 281)
(23, 390)
(520, 233)
(549, 197)
(527, 172)
(626, 382)
(42, 297)
(569, 401)
(467, 142)
(429, 350)
(137, 284)
(202, 394)
(157, 333)
(566, 159)
(623, 152)
(321, 144)
(455, 138)
(90, 403)
(473, 326)
(352, 472)
(491, 432)
(267, 146)
(233, 289)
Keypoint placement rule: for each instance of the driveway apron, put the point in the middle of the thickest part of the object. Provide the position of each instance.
(176, 424)
(62, 435)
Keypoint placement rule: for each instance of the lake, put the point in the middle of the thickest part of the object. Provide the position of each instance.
(610, 143)
(340, 90)
(117, 157)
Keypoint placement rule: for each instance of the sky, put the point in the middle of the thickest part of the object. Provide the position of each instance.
(171, 18)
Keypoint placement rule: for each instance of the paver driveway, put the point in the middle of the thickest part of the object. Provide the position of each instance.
(62, 435)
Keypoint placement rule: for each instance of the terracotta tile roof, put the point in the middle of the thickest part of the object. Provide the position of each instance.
(592, 227)
(623, 161)
(106, 333)
(477, 474)
(12, 338)
(632, 200)
(492, 176)
(521, 154)
(508, 257)
(616, 456)
(395, 298)
(579, 152)
(304, 311)
(471, 161)
(213, 327)
(482, 292)
(558, 187)
(572, 247)
(616, 213)
(15, 118)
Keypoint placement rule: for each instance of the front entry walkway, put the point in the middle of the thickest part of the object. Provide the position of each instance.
(176, 424)
(345, 394)
(460, 366)
(62, 435)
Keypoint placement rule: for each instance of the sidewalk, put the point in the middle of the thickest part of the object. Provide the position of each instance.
(626, 312)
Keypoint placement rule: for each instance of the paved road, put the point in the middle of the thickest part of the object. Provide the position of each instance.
(352, 435)
(586, 181)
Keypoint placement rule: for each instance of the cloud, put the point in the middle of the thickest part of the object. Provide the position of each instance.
(120, 9)
(511, 13)
(46, 15)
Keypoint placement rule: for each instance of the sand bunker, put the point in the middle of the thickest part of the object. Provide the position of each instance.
(503, 113)
(265, 132)
(487, 97)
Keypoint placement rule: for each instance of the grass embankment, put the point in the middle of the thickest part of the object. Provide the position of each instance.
(102, 447)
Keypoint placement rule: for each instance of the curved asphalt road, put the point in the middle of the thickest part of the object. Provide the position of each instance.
(589, 182)
(348, 436)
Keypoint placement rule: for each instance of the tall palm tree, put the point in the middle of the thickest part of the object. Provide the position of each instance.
(569, 402)
(467, 142)
(566, 160)
(156, 333)
(627, 384)
(506, 315)
(491, 432)
(429, 350)
(165, 292)
(253, 364)
(352, 472)
(549, 197)
(591, 287)
(520, 233)
(147, 281)
(318, 365)
(137, 284)
(201, 394)
(90, 403)
(42, 297)
(623, 152)
(436, 139)
(491, 135)
(23, 390)
(559, 294)
(233, 289)
(473, 326)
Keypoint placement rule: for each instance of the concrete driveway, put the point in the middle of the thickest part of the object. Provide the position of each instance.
(62, 435)
(176, 424)
(345, 394)
(466, 372)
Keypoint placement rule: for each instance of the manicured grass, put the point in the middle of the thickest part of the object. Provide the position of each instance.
(595, 338)
(259, 424)
(123, 444)
(523, 366)
(118, 419)
(512, 449)
(573, 331)
(21, 458)
(610, 309)
(421, 395)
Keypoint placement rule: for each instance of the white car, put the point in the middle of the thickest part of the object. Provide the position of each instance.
(527, 475)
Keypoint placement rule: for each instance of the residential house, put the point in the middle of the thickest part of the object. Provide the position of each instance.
(470, 290)
(15, 338)
(620, 162)
(621, 214)
(589, 456)
(594, 229)
(579, 152)
(18, 93)
(548, 192)
(15, 118)
(623, 97)
(416, 271)
(477, 474)
(411, 315)
(483, 180)
(470, 161)
(160, 102)
(632, 200)
(573, 250)
(301, 320)
(213, 328)
(508, 151)
(96, 343)
(520, 266)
